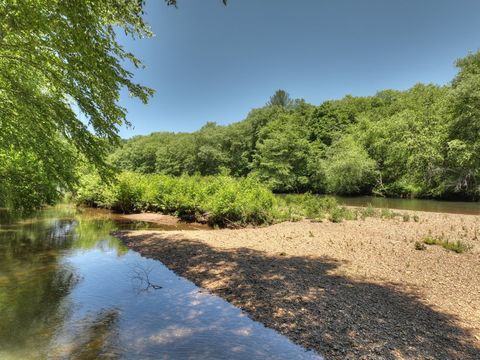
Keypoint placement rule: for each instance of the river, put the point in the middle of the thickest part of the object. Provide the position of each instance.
(453, 207)
(70, 290)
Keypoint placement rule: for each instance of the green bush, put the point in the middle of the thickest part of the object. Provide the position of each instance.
(220, 200)
(243, 201)
(368, 211)
(90, 191)
(388, 214)
(127, 193)
(455, 246)
(293, 207)
(339, 214)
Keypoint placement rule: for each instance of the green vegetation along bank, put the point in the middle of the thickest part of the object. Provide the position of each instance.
(217, 199)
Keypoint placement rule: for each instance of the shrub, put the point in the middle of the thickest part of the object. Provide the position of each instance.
(456, 246)
(339, 214)
(387, 214)
(127, 193)
(222, 200)
(369, 211)
(219, 200)
(243, 201)
(296, 207)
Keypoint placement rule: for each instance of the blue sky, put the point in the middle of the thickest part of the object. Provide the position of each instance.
(208, 62)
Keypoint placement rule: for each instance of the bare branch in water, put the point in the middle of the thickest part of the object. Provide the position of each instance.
(141, 277)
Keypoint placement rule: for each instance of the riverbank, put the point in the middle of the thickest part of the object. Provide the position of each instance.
(356, 289)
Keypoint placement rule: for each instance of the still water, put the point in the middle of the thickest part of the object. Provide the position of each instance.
(454, 207)
(69, 290)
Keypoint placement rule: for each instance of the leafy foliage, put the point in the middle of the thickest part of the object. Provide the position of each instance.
(218, 200)
(455, 246)
(61, 73)
(221, 200)
(280, 98)
(59, 59)
(348, 168)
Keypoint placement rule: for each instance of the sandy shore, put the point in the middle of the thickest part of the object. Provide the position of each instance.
(353, 290)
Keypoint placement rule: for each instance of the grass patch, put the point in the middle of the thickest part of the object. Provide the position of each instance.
(455, 246)
(217, 200)
(368, 211)
(308, 206)
(388, 214)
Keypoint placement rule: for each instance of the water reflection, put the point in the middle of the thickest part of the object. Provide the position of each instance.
(93, 337)
(69, 290)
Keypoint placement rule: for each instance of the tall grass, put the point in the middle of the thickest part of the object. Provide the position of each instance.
(218, 200)
(317, 208)
(455, 246)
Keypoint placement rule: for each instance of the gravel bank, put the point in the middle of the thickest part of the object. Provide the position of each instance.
(353, 290)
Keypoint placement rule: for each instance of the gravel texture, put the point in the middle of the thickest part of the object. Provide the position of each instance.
(350, 290)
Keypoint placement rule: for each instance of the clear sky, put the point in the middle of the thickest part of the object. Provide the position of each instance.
(208, 62)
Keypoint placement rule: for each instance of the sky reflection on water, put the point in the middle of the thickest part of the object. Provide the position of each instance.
(69, 290)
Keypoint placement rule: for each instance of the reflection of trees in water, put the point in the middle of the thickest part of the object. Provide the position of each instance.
(34, 278)
(93, 337)
(33, 282)
(31, 304)
(91, 234)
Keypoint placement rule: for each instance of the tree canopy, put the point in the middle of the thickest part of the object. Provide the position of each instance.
(280, 98)
(61, 73)
(61, 61)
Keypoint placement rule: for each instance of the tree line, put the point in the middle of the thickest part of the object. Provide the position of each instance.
(62, 70)
(422, 142)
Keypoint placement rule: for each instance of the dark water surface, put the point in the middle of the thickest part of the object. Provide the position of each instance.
(454, 207)
(69, 290)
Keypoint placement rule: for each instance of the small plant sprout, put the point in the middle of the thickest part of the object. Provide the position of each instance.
(456, 246)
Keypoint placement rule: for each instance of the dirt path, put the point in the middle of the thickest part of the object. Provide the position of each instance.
(354, 290)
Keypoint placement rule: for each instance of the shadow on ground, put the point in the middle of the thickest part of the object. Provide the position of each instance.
(302, 298)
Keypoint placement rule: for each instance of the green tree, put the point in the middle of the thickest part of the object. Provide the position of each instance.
(282, 155)
(60, 59)
(330, 119)
(61, 74)
(280, 98)
(463, 147)
(349, 169)
(406, 137)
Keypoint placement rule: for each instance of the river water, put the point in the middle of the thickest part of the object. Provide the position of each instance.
(69, 290)
(454, 207)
